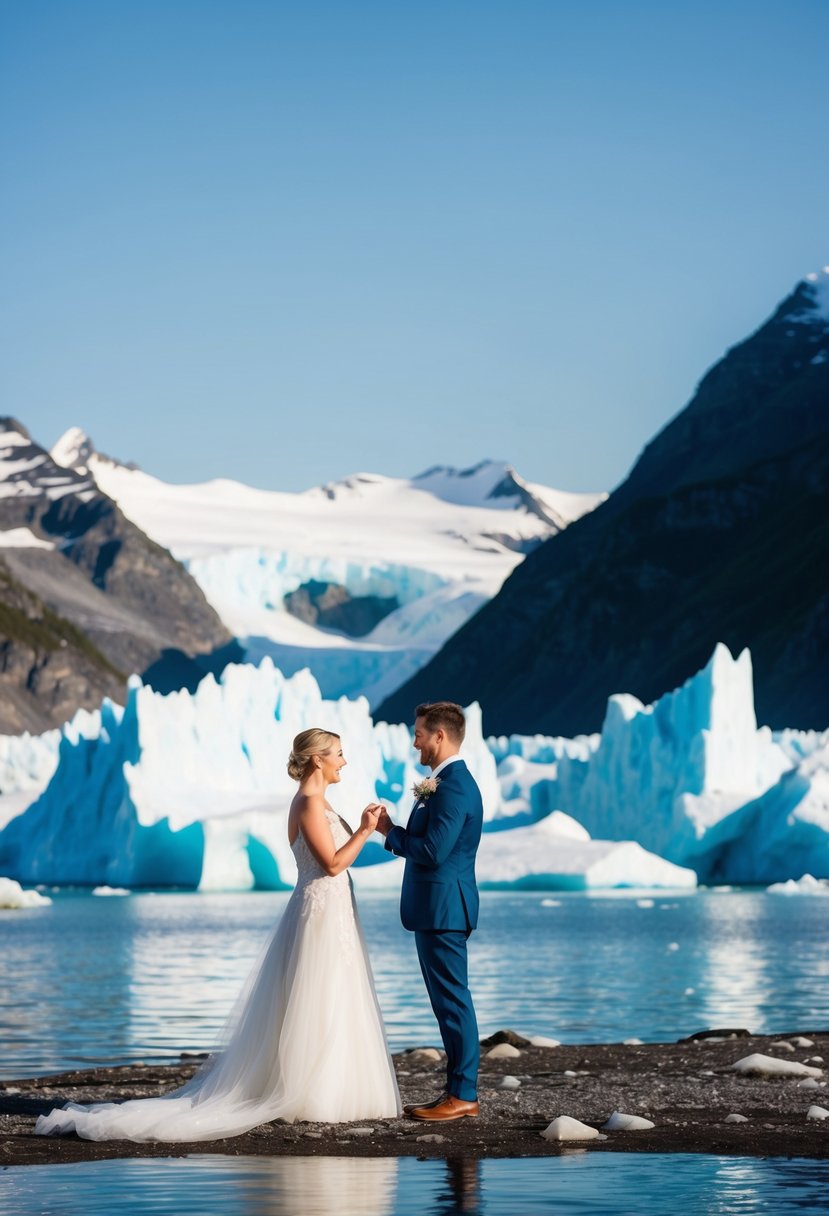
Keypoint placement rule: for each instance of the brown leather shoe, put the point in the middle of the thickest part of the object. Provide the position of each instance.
(407, 1110)
(449, 1108)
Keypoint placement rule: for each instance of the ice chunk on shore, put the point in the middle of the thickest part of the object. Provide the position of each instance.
(758, 1065)
(503, 1051)
(567, 1128)
(620, 1122)
(817, 1112)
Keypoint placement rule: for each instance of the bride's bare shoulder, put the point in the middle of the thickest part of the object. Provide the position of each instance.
(304, 807)
(307, 804)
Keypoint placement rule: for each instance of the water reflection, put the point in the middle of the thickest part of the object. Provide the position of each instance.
(462, 1192)
(588, 1184)
(320, 1186)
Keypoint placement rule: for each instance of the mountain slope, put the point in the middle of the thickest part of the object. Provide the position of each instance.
(718, 535)
(87, 598)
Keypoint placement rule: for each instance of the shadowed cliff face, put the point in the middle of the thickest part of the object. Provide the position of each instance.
(719, 534)
(88, 600)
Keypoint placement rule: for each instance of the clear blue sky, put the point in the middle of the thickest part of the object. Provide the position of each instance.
(284, 242)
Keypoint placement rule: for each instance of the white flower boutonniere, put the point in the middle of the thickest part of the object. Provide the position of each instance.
(425, 788)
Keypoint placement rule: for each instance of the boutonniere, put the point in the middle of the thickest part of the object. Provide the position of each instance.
(425, 788)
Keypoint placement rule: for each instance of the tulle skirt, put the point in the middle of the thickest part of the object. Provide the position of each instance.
(305, 1041)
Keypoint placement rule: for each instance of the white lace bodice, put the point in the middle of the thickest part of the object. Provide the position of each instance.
(317, 890)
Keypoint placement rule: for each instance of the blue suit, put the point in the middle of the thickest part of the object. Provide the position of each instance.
(439, 903)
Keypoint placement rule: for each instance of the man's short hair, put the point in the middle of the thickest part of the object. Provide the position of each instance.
(443, 715)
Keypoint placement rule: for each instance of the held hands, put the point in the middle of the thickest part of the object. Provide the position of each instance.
(370, 817)
(375, 818)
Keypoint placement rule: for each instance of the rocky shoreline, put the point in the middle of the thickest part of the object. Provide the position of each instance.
(687, 1089)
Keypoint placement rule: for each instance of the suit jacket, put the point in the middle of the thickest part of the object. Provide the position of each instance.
(439, 845)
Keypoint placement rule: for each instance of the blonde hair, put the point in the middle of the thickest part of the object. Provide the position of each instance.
(307, 744)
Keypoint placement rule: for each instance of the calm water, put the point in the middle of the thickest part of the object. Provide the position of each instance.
(94, 980)
(579, 1184)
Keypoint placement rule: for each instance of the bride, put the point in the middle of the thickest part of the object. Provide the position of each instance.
(306, 1038)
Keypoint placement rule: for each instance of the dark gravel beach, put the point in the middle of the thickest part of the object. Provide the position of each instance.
(685, 1088)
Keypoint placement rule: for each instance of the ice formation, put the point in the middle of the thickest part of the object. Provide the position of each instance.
(190, 790)
(12, 895)
(565, 1127)
(758, 1065)
(691, 778)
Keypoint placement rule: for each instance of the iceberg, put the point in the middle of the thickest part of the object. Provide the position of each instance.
(557, 854)
(667, 774)
(28, 762)
(554, 855)
(691, 778)
(807, 885)
(12, 895)
(191, 790)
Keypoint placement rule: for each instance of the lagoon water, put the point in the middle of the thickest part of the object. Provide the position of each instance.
(579, 1184)
(96, 980)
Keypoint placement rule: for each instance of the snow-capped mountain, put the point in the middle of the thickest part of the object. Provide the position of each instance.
(28, 472)
(361, 580)
(85, 597)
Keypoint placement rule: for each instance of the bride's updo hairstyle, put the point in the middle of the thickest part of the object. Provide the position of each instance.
(307, 744)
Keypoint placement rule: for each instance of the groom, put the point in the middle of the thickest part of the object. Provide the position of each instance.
(439, 900)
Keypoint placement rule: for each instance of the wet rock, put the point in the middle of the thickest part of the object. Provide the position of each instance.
(716, 1035)
(506, 1036)
(424, 1055)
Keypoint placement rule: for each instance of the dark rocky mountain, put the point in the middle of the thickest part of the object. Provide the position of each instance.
(720, 533)
(332, 606)
(85, 597)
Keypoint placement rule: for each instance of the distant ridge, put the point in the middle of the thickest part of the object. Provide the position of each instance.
(86, 598)
(719, 534)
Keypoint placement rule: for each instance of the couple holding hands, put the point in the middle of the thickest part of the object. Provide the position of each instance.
(306, 1039)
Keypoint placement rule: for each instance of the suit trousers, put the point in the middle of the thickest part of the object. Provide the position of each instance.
(442, 955)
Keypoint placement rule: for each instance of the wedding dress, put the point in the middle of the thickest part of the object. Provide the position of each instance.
(304, 1041)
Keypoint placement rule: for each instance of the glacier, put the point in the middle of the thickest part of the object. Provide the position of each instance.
(462, 533)
(190, 790)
